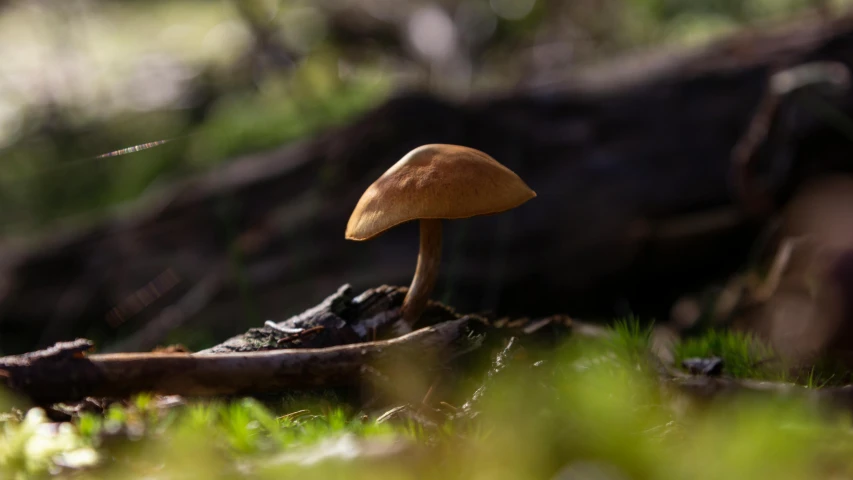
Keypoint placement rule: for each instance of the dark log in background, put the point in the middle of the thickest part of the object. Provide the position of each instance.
(615, 154)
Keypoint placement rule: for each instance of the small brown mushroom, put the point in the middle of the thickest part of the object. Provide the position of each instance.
(430, 183)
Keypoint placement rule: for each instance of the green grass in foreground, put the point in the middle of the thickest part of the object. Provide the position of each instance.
(591, 410)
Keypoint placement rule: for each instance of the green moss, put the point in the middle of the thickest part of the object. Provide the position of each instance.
(743, 355)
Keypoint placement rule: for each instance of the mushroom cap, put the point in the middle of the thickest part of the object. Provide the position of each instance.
(440, 182)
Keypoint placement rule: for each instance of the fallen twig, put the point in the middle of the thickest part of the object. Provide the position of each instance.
(500, 363)
(64, 374)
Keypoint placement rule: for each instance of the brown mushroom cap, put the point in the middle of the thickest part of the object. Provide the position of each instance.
(436, 181)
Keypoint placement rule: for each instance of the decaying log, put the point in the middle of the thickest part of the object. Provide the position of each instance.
(65, 375)
(344, 319)
(257, 361)
(358, 336)
(625, 162)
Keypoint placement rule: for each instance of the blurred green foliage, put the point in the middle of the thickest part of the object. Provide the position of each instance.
(134, 56)
(40, 184)
(220, 79)
(690, 22)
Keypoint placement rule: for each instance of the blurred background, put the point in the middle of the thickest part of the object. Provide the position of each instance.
(180, 171)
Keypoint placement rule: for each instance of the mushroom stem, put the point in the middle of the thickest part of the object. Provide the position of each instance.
(429, 258)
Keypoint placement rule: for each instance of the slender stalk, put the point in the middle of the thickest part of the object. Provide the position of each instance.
(429, 259)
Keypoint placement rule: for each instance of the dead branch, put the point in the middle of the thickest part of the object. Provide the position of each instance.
(499, 364)
(340, 319)
(63, 373)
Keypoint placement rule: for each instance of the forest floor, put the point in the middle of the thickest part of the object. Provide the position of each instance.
(591, 406)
